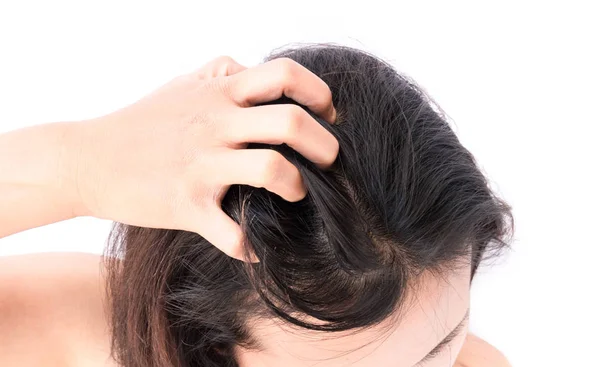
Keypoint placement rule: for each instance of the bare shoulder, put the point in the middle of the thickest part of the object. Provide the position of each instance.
(53, 301)
(476, 352)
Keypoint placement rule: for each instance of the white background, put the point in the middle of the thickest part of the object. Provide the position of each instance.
(519, 80)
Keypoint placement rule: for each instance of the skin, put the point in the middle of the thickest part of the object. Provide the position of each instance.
(139, 166)
(435, 306)
(52, 314)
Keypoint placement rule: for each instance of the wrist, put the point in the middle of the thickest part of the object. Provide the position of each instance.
(42, 162)
(74, 166)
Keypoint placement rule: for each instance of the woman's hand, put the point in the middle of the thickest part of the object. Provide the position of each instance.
(167, 160)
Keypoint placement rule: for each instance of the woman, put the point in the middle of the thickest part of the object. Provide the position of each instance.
(342, 237)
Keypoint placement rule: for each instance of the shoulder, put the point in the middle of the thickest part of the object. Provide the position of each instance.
(52, 301)
(476, 352)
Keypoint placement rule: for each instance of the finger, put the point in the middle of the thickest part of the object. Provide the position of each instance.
(261, 168)
(221, 231)
(221, 66)
(284, 124)
(282, 77)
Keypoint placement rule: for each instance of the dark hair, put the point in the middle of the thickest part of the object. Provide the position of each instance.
(404, 196)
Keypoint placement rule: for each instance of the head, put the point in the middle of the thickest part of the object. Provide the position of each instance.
(372, 268)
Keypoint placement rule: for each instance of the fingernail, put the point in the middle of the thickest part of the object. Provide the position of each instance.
(253, 258)
(333, 116)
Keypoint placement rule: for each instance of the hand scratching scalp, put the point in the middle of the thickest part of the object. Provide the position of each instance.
(403, 196)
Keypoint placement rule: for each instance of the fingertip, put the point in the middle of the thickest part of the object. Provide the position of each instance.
(252, 258)
(245, 253)
(332, 115)
(300, 191)
(232, 242)
(303, 191)
(223, 233)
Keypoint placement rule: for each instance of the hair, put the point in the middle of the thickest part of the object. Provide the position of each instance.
(404, 196)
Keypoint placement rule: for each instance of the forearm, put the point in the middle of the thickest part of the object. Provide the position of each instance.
(37, 177)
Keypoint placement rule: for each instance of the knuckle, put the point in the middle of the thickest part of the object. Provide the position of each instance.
(327, 95)
(236, 249)
(287, 69)
(191, 196)
(324, 96)
(294, 121)
(225, 65)
(271, 167)
(224, 59)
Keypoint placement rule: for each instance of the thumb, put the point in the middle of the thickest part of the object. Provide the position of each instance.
(222, 232)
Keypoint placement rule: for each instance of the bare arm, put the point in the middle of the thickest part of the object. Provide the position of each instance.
(36, 167)
(51, 311)
(167, 160)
